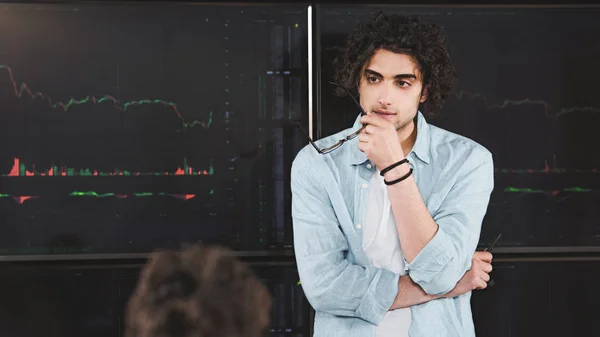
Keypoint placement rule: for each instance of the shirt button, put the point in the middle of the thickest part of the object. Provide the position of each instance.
(365, 185)
(369, 166)
(358, 226)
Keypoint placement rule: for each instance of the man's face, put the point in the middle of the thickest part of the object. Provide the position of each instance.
(391, 86)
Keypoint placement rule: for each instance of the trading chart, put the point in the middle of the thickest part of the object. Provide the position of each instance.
(526, 92)
(125, 128)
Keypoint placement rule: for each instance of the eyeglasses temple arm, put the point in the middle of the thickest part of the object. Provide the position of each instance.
(362, 111)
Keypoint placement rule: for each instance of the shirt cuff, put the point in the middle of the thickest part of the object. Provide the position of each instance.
(430, 263)
(379, 297)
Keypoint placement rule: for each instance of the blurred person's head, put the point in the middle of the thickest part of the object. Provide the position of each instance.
(201, 291)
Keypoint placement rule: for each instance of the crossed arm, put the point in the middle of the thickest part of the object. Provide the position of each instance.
(333, 284)
(410, 293)
(437, 248)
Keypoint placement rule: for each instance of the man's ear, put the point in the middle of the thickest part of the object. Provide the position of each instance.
(424, 94)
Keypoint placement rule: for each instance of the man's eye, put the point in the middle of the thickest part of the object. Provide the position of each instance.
(372, 79)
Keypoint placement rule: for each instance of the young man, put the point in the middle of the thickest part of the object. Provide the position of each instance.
(393, 254)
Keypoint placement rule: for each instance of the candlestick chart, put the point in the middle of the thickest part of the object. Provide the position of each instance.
(524, 91)
(147, 128)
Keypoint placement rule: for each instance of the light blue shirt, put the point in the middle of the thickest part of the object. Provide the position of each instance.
(455, 176)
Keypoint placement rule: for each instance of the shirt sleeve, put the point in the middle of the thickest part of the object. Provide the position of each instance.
(331, 283)
(447, 257)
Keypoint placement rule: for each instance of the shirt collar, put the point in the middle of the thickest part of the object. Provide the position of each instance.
(421, 148)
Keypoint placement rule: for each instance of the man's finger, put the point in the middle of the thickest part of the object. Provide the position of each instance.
(362, 146)
(373, 120)
(485, 276)
(484, 256)
(481, 284)
(370, 129)
(486, 267)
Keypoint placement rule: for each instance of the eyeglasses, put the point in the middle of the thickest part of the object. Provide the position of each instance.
(341, 141)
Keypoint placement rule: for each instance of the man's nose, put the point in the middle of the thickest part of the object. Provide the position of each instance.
(384, 102)
(385, 98)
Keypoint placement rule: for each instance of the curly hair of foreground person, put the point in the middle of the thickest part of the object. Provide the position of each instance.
(409, 35)
(201, 291)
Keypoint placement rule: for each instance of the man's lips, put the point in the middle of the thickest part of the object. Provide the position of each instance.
(383, 112)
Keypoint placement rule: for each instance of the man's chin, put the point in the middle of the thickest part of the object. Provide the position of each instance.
(402, 125)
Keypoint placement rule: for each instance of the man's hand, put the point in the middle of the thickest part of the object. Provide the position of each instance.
(379, 141)
(477, 277)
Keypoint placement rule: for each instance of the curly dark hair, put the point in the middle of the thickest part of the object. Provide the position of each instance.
(202, 291)
(409, 35)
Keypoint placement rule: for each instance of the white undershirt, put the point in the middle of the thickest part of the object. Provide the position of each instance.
(382, 246)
